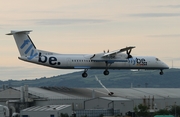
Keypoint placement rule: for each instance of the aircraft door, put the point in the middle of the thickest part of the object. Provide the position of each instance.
(68, 60)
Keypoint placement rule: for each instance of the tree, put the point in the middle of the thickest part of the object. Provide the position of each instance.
(175, 109)
(64, 115)
(162, 112)
(136, 110)
(141, 110)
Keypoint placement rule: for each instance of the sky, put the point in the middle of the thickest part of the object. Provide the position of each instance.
(88, 27)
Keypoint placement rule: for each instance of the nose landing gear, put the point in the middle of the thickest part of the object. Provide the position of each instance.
(161, 72)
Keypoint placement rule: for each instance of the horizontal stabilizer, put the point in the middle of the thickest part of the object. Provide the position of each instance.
(17, 32)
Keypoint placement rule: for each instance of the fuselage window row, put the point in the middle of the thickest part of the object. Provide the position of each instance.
(81, 61)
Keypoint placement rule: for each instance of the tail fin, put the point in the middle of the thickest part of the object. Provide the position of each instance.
(24, 43)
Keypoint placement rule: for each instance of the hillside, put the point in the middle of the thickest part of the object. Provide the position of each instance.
(116, 79)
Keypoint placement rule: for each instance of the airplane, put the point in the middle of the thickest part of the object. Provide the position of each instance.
(118, 59)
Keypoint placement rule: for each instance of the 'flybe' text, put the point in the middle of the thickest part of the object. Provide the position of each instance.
(141, 61)
(30, 51)
(51, 60)
(137, 61)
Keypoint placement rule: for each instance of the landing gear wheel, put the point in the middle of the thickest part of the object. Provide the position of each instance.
(161, 72)
(106, 72)
(84, 75)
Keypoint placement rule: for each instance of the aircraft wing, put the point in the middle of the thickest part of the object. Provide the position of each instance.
(113, 53)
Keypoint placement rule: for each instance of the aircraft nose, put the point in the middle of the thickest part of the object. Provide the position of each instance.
(165, 66)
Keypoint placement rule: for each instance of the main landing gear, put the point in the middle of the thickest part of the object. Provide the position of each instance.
(161, 72)
(106, 72)
(84, 74)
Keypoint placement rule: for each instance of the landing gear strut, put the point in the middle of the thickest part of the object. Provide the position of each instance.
(161, 72)
(84, 74)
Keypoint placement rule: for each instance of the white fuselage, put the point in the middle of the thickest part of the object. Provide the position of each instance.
(83, 61)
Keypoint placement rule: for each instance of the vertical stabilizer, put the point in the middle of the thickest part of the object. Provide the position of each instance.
(24, 43)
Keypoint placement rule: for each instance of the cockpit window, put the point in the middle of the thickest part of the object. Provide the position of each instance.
(157, 59)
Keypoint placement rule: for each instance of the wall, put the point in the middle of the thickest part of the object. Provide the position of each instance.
(78, 103)
(1, 111)
(45, 113)
(39, 113)
(99, 103)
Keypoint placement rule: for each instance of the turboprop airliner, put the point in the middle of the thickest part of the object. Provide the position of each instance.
(118, 59)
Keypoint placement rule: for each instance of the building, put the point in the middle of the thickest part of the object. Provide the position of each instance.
(46, 111)
(85, 99)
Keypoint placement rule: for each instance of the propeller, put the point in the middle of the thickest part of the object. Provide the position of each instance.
(128, 52)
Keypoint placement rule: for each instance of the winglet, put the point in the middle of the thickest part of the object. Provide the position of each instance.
(16, 32)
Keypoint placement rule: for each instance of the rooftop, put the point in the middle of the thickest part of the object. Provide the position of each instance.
(47, 108)
(86, 93)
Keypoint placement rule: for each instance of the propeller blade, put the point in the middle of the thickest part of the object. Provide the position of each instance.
(128, 52)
